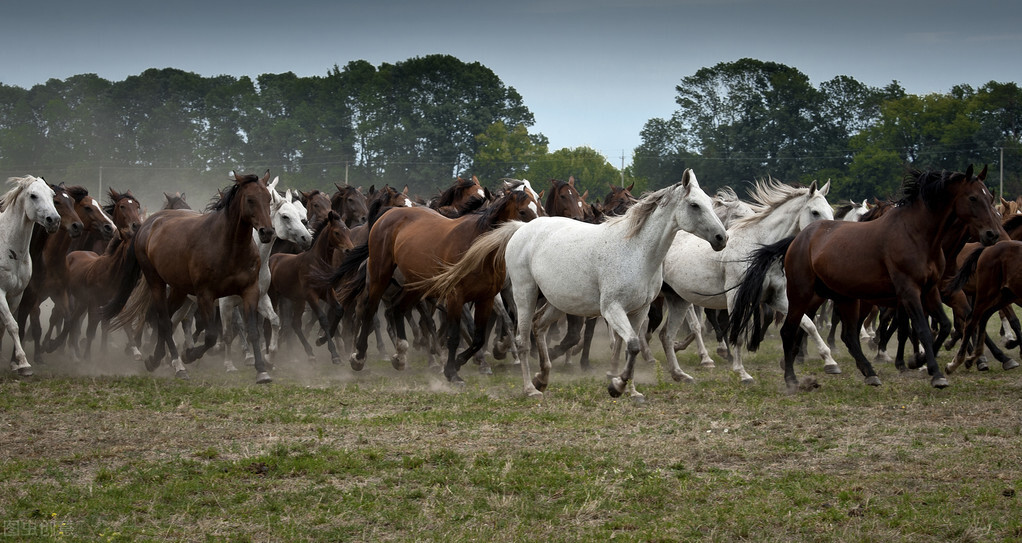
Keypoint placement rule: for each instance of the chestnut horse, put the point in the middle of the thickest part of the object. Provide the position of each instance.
(291, 277)
(210, 255)
(414, 244)
(461, 195)
(899, 261)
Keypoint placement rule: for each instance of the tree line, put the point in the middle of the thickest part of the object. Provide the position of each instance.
(425, 120)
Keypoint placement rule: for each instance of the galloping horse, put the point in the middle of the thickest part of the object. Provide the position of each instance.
(28, 202)
(704, 278)
(72, 225)
(899, 262)
(210, 255)
(415, 244)
(291, 278)
(613, 269)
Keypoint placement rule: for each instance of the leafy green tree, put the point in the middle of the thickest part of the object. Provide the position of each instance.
(506, 152)
(590, 169)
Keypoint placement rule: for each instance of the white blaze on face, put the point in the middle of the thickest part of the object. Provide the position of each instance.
(580, 204)
(535, 210)
(408, 203)
(482, 193)
(64, 195)
(103, 214)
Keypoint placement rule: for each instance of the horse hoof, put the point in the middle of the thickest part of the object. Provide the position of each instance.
(832, 369)
(748, 380)
(1009, 365)
(25, 371)
(534, 394)
(334, 359)
(616, 387)
(182, 374)
(982, 365)
(231, 369)
(707, 364)
(682, 377)
(151, 364)
(356, 363)
(939, 382)
(263, 378)
(639, 399)
(873, 381)
(397, 362)
(540, 385)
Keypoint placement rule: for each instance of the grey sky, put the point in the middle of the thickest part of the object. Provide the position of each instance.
(593, 72)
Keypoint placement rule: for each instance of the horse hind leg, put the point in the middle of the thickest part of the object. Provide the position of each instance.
(19, 361)
(626, 326)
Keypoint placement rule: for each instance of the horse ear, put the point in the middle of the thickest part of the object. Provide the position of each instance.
(571, 180)
(585, 195)
(630, 187)
(982, 174)
(541, 193)
(812, 188)
(475, 180)
(405, 192)
(826, 188)
(372, 189)
(273, 185)
(266, 177)
(968, 172)
(233, 175)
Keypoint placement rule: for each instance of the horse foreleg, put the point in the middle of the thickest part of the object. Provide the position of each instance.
(19, 362)
(627, 326)
(324, 323)
(249, 302)
(829, 364)
(587, 343)
(541, 326)
(525, 297)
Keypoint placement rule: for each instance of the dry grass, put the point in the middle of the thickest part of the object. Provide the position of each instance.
(324, 453)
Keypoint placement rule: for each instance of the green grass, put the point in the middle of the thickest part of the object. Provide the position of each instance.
(326, 454)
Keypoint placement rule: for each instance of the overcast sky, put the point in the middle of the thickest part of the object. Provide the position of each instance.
(591, 71)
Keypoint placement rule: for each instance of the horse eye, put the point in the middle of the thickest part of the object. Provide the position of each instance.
(34, 197)
(816, 213)
(972, 198)
(286, 218)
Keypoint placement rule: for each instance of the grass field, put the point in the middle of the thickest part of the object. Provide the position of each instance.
(107, 452)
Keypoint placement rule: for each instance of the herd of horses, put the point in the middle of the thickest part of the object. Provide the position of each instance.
(508, 266)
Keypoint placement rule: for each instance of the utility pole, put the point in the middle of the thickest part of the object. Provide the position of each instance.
(345, 172)
(622, 167)
(1002, 172)
(100, 194)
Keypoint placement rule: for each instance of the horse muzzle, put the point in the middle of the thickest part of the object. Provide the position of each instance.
(718, 242)
(265, 235)
(989, 237)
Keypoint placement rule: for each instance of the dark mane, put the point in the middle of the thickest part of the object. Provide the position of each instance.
(927, 186)
(114, 198)
(1012, 222)
(447, 197)
(331, 217)
(77, 192)
(226, 196)
(843, 209)
(490, 212)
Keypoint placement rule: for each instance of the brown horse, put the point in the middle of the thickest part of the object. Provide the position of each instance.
(462, 196)
(210, 255)
(996, 273)
(70, 224)
(413, 245)
(291, 277)
(93, 279)
(350, 204)
(898, 261)
(175, 201)
(564, 200)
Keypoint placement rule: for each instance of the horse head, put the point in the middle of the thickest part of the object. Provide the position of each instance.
(564, 200)
(288, 220)
(973, 204)
(816, 206)
(125, 210)
(693, 211)
(65, 206)
(249, 200)
(37, 200)
(351, 204)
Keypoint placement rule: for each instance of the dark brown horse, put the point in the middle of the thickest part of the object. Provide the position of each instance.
(463, 195)
(93, 279)
(899, 261)
(210, 255)
(414, 245)
(291, 278)
(71, 225)
(175, 201)
(563, 200)
(350, 204)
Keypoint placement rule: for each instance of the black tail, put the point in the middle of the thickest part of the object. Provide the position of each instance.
(352, 261)
(130, 272)
(966, 271)
(750, 290)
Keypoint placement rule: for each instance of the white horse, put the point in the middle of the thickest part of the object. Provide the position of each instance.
(852, 211)
(288, 224)
(613, 269)
(708, 279)
(27, 203)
